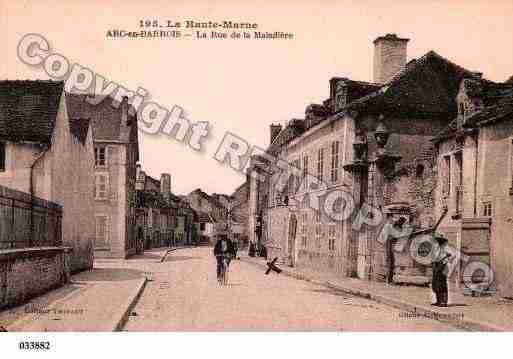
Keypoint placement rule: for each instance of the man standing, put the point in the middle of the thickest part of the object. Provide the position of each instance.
(439, 282)
(388, 237)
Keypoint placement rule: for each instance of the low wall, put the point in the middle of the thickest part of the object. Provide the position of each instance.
(29, 272)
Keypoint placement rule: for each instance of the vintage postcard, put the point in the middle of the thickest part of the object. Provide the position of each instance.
(285, 166)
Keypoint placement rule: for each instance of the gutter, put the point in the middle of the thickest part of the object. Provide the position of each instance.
(32, 166)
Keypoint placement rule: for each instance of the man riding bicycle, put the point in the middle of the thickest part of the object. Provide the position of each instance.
(223, 250)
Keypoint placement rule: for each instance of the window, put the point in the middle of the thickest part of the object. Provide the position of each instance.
(320, 163)
(419, 170)
(102, 231)
(295, 175)
(99, 156)
(304, 219)
(2, 156)
(487, 209)
(101, 186)
(446, 176)
(305, 171)
(202, 226)
(331, 237)
(458, 160)
(334, 160)
(318, 229)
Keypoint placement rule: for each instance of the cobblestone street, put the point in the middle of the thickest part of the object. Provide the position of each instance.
(184, 295)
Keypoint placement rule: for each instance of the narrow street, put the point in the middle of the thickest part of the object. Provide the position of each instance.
(183, 295)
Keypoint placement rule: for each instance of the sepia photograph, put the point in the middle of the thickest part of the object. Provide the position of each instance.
(243, 173)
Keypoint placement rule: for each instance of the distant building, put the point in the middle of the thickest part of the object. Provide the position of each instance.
(116, 152)
(47, 152)
(202, 202)
(163, 219)
(205, 225)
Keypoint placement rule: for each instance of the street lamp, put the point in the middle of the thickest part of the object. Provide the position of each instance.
(381, 134)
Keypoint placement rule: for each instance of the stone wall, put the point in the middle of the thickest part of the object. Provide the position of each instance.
(26, 273)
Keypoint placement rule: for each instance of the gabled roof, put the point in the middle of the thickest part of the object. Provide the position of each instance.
(28, 110)
(79, 128)
(499, 111)
(210, 199)
(105, 117)
(497, 101)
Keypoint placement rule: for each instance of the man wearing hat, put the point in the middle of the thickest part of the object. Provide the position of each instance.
(439, 282)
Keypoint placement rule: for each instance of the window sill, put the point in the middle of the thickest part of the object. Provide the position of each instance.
(102, 249)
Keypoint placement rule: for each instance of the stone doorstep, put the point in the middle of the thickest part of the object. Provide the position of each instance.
(468, 324)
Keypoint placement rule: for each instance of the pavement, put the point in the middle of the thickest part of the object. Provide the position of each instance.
(177, 290)
(184, 295)
(490, 313)
(96, 300)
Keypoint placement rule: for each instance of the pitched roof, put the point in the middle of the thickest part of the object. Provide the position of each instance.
(28, 110)
(500, 110)
(79, 128)
(105, 117)
(426, 87)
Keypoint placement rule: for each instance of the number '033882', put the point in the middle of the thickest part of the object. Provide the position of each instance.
(34, 345)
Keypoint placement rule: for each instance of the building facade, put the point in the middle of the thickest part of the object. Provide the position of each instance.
(369, 145)
(48, 153)
(163, 219)
(475, 161)
(116, 152)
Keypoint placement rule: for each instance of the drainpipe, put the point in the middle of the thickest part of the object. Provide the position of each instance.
(476, 139)
(32, 189)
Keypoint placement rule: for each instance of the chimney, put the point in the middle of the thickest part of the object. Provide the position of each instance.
(389, 57)
(124, 111)
(140, 178)
(165, 184)
(275, 129)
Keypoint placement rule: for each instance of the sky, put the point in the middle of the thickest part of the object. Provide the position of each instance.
(242, 86)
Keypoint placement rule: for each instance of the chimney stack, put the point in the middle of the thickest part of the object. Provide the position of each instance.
(140, 178)
(124, 111)
(275, 130)
(165, 185)
(389, 57)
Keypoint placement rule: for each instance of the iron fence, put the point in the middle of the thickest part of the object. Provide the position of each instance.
(28, 222)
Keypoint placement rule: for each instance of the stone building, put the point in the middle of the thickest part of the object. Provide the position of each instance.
(205, 228)
(475, 157)
(47, 152)
(239, 213)
(116, 152)
(371, 142)
(156, 212)
(202, 202)
(163, 219)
